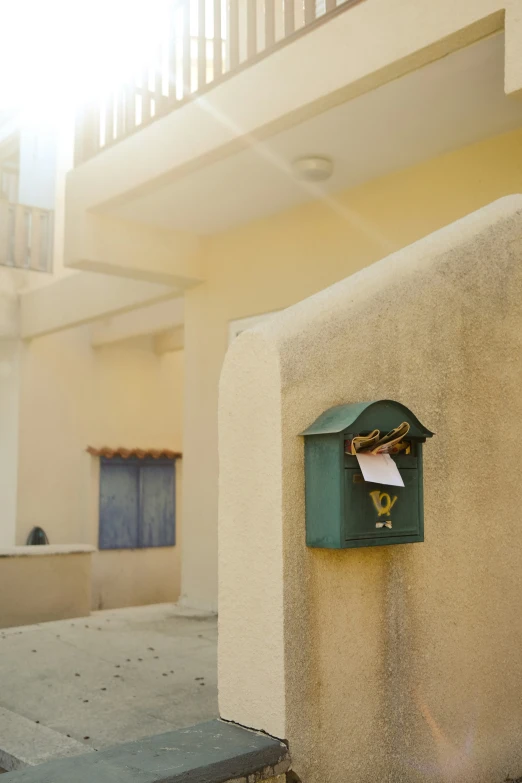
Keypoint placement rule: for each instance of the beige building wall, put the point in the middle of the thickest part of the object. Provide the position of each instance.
(398, 663)
(74, 396)
(136, 577)
(273, 263)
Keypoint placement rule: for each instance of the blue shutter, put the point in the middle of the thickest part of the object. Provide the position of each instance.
(119, 493)
(157, 504)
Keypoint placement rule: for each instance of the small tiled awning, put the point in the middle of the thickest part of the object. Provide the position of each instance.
(109, 453)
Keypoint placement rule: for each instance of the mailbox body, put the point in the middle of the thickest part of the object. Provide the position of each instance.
(342, 510)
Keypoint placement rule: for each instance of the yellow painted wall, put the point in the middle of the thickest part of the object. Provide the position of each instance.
(272, 263)
(73, 396)
(135, 577)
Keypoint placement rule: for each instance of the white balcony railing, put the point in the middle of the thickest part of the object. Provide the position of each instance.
(26, 237)
(206, 41)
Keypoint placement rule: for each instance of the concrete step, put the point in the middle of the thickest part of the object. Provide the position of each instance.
(24, 743)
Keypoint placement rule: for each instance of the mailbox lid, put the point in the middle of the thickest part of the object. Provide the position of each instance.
(358, 417)
(368, 504)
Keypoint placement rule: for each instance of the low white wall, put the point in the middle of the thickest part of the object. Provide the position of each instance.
(43, 583)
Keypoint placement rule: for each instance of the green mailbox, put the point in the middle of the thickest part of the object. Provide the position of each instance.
(342, 509)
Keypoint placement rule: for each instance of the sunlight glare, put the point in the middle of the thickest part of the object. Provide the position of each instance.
(58, 54)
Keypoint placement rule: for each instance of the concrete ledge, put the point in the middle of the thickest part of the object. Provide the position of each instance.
(46, 549)
(211, 752)
(24, 743)
(43, 583)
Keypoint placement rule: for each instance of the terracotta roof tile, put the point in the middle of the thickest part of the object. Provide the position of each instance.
(109, 453)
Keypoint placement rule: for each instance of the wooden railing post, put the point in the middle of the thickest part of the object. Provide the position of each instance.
(251, 34)
(36, 257)
(46, 228)
(289, 17)
(120, 128)
(21, 236)
(217, 69)
(158, 84)
(4, 231)
(187, 59)
(87, 134)
(309, 11)
(173, 55)
(41, 240)
(233, 34)
(202, 45)
(108, 117)
(145, 96)
(269, 23)
(129, 107)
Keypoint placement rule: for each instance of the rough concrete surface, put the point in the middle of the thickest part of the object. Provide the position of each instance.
(24, 743)
(115, 676)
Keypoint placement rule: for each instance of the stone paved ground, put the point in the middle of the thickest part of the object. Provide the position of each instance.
(115, 676)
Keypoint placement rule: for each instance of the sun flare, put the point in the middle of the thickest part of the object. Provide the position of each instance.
(62, 53)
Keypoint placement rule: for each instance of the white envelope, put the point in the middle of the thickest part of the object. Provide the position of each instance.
(380, 469)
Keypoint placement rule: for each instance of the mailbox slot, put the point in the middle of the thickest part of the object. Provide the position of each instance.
(404, 461)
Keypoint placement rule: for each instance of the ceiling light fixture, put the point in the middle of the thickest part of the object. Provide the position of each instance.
(313, 168)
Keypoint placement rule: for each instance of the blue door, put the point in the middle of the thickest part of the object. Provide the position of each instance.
(157, 496)
(137, 503)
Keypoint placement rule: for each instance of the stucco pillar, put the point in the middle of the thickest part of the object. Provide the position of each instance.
(513, 31)
(388, 663)
(9, 432)
(10, 368)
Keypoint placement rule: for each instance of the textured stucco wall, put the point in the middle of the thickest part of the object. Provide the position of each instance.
(37, 589)
(398, 663)
(270, 264)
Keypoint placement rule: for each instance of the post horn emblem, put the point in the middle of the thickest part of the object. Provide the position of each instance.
(383, 505)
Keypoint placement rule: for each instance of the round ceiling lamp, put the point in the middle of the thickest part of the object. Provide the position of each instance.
(313, 168)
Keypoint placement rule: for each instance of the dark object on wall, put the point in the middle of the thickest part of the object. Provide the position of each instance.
(37, 537)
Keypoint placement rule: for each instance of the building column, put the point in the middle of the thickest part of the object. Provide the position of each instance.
(10, 365)
(513, 33)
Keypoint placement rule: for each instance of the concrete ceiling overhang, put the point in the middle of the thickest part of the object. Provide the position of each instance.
(448, 104)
